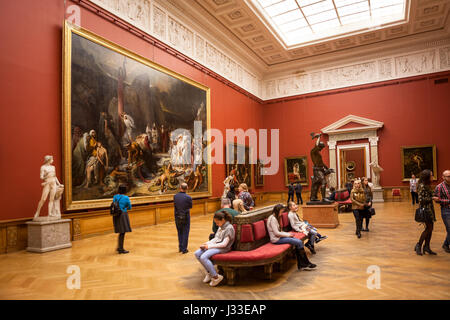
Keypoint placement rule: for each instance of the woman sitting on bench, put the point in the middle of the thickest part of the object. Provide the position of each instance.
(221, 243)
(279, 237)
(304, 227)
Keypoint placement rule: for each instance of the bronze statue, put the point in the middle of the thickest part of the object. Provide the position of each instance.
(320, 170)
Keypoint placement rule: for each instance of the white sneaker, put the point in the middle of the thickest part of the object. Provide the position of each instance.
(207, 278)
(216, 281)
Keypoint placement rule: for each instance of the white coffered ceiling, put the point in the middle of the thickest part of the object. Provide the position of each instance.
(301, 22)
(251, 23)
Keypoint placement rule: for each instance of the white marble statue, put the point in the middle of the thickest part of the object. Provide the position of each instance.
(52, 189)
(376, 173)
(227, 183)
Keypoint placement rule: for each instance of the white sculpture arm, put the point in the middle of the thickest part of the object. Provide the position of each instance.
(42, 173)
(57, 182)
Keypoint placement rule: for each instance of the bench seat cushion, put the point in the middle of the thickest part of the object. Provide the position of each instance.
(265, 251)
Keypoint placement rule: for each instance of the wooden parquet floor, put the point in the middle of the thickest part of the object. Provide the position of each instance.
(155, 270)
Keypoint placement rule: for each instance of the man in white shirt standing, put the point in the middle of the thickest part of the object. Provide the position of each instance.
(413, 189)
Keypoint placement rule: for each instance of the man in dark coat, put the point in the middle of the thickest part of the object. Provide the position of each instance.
(183, 204)
(291, 192)
(349, 186)
(298, 193)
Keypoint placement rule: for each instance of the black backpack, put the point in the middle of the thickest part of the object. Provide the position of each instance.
(114, 209)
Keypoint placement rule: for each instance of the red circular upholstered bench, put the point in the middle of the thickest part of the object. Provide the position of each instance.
(252, 246)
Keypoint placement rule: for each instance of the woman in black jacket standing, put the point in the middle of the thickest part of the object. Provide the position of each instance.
(367, 214)
(426, 201)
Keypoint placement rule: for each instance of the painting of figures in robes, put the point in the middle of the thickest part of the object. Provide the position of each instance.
(129, 121)
(239, 164)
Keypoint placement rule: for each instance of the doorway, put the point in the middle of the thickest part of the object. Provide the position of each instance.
(352, 163)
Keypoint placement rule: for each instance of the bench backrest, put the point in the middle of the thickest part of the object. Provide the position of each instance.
(251, 228)
(342, 195)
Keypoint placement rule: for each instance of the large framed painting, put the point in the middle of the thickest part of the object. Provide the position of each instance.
(127, 120)
(415, 159)
(296, 170)
(239, 163)
(259, 177)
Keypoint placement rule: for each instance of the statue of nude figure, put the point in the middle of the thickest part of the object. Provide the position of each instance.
(52, 187)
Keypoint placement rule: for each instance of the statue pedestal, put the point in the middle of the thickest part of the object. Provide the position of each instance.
(377, 194)
(48, 235)
(321, 216)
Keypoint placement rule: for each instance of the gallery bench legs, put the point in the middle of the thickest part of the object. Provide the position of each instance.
(230, 275)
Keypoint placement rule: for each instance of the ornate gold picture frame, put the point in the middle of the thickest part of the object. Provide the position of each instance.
(122, 116)
(415, 159)
(296, 170)
(259, 177)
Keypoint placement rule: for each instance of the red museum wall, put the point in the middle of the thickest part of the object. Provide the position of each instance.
(30, 82)
(415, 111)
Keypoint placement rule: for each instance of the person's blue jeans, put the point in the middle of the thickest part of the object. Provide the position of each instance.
(312, 237)
(294, 241)
(183, 233)
(204, 256)
(445, 212)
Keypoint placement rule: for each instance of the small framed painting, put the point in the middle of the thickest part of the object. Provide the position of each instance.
(240, 164)
(296, 170)
(259, 177)
(415, 159)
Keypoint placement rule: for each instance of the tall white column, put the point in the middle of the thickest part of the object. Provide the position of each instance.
(377, 190)
(373, 151)
(333, 164)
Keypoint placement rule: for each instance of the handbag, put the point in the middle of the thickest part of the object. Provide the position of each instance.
(422, 214)
(372, 211)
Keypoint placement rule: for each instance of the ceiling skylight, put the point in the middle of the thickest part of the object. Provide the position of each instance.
(302, 21)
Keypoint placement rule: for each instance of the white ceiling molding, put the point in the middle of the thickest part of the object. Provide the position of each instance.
(216, 35)
(364, 125)
(383, 68)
